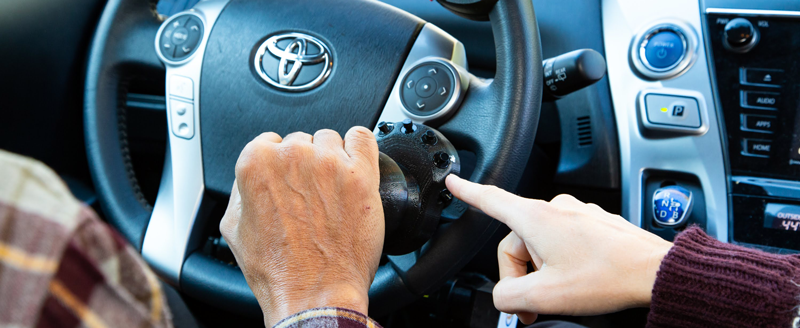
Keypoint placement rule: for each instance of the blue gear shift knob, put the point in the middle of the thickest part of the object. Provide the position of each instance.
(672, 205)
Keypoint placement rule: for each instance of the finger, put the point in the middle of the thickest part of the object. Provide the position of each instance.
(298, 137)
(527, 317)
(537, 292)
(512, 257)
(497, 203)
(270, 137)
(227, 226)
(360, 144)
(328, 139)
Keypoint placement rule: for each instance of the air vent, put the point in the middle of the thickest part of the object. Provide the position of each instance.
(584, 131)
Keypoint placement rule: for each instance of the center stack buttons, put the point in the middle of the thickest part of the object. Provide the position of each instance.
(431, 89)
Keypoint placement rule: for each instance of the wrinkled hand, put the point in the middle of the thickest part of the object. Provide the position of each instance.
(305, 220)
(587, 261)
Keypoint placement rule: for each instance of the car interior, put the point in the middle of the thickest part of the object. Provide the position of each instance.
(663, 112)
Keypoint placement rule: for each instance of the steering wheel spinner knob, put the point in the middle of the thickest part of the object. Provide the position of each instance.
(413, 165)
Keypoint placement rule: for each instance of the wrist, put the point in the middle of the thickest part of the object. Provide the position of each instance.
(340, 296)
(644, 292)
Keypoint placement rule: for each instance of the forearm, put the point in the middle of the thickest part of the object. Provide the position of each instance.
(706, 283)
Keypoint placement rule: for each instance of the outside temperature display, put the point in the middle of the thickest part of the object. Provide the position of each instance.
(782, 217)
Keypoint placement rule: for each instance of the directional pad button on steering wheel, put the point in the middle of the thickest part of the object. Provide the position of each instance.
(427, 92)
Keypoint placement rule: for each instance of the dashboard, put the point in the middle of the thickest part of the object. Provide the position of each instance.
(704, 101)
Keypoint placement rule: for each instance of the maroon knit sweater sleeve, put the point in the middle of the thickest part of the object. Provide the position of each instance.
(703, 282)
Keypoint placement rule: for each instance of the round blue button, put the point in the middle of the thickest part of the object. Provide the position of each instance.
(663, 49)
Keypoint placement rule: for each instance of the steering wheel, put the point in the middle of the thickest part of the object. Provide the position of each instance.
(356, 54)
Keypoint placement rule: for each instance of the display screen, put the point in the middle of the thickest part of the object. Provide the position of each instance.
(794, 157)
(782, 217)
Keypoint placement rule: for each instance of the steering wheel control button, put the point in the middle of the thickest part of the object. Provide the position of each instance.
(432, 88)
(740, 35)
(760, 100)
(179, 37)
(426, 87)
(672, 205)
(762, 77)
(672, 110)
(181, 118)
(757, 148)
(663, 50)
(759, 123)
(181, 86)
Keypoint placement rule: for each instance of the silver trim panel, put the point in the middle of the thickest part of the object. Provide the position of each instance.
(432, 42)
(169, 233)
(753, 12)
(698, 155)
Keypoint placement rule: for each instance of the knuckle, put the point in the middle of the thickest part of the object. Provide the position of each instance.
(360, 132)
(267, 137)
(326, 132)
(248, 158)
(563, 198)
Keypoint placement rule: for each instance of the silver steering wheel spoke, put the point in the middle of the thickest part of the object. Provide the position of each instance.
(171, 232)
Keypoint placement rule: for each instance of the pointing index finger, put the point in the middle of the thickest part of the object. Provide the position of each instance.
(495, 202)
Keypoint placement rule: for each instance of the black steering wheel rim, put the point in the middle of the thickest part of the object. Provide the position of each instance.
(497, 120)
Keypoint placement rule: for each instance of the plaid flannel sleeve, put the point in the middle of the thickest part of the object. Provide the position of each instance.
(327, 317)
(60, 266)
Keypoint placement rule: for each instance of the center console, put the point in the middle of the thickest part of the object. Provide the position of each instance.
(705, 96)
(756, 76)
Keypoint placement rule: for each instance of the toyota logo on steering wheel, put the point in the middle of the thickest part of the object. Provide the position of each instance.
(293, 61)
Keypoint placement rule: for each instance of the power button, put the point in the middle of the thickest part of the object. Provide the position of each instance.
(663, 50)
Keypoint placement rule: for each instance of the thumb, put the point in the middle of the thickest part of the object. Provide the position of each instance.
(535, 292)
